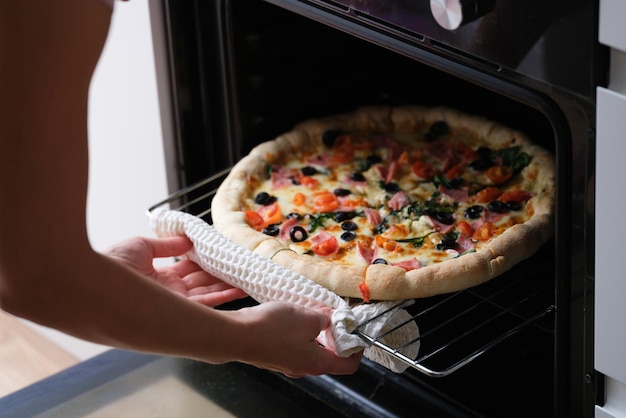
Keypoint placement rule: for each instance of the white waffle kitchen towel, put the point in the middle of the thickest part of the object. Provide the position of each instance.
(264, 280)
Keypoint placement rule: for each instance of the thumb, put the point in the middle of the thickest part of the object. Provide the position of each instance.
(324, 315)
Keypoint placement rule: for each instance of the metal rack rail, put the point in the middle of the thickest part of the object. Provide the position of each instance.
(455, 329)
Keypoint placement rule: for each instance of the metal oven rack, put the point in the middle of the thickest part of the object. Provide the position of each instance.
(454, 329)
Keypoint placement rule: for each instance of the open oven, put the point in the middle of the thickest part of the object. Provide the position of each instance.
(542, 340)
(244, 71)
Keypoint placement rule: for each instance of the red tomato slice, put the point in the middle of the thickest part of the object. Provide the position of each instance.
(453, 172)
(465, 228)
(326, 247)
(254, 220)
(423, 170)
(515, 196)
(298, 199)
(343, 151)
(488, 194)
(365, 292)
(325, 201)
(271, 214)
(499, 174)
(484, 232)
(309, 182)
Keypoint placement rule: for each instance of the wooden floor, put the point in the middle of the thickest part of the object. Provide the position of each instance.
(26, 356)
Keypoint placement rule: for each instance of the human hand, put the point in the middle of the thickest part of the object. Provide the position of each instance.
(282, 338)
(183, 277)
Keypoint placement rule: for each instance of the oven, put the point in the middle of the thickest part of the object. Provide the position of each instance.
(542, 340)
(242, 72)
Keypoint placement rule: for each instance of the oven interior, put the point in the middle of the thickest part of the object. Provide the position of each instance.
(250, 70)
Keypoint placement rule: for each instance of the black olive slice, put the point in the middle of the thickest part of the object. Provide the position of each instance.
(264, 198)
(272, 230)
(497, 206)
(329, 137)
(308, 170)
(298, 234)
(341, 192)
(349, 226)
(357, 176)
(473, 212)
(348, 235)
(437, 130)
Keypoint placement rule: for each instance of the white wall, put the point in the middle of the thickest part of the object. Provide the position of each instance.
(127, 173)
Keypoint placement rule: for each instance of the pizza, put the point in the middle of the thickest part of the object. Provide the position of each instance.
(389, 203)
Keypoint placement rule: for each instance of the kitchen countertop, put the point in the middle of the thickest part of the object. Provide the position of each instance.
(26, 356)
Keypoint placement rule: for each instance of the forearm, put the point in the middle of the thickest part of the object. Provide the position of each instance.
(99, 300)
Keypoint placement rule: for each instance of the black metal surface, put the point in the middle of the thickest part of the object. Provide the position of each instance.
(545, 40)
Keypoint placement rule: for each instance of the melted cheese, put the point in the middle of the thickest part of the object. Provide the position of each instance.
(368, 195)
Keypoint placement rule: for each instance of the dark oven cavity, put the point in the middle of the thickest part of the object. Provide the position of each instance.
(245, 71)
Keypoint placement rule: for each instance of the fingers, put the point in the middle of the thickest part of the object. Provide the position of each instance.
(194, 277)
(331, 363)
(187, 268)
(214, 298)
(328, 362)
(168, 247)
(203, 287)
(212, 288)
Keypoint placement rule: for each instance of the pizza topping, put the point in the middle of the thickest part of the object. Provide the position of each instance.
(379, 198)
(349, 226)
(499, 174)
(329, 137)
(254, 220)
(408, 265)
(299, 199)
(348, 235)
(308, 170)
(474, 212)
(272, 230)
(324, 244)
(264, 198)
(465, 243)
(448, 241)
(399, 200)
(465, 228)
(325, 201)
(341, 192)
(365, 292)
(484, 232)
(497, 206)
(458, 195)
(357, 176)
(423, 170)
(515, 196)
(437, 130)
(488, 194)
(298, 234)
(483, 162)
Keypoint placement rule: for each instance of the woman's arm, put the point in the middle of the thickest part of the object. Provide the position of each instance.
(48, 271)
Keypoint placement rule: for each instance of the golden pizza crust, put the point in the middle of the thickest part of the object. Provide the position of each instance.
(385, 282)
